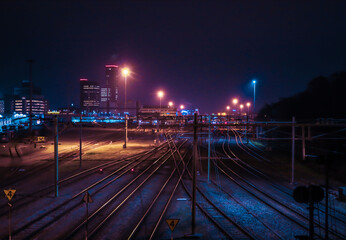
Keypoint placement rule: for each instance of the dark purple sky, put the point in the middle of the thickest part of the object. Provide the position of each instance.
(199, 52)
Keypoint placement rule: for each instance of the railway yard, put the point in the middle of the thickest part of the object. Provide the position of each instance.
(136, 192)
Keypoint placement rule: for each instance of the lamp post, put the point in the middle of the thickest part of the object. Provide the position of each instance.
(254, 94)
(228, 108)
(235, 102)
(170, 104)
(125, 72)
(248, 104)
(182, 108)
(241, 108)
(160, 94)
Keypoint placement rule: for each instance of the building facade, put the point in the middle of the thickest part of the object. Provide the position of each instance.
(2, 106)
(20, 100)
(89, 96)
(21, 105)
(110, 93)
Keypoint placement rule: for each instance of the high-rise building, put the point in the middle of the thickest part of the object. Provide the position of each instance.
(22, 105)
(2, 106)
(89, 96)
(20, 100)
(111, 92)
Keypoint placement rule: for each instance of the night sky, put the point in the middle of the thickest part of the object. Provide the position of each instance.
(201, 53)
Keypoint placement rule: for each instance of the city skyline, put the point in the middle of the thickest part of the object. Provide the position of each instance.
(205, 59)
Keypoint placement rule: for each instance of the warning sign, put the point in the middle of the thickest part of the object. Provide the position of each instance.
(172, 223)
(9, 193)
(87, 198)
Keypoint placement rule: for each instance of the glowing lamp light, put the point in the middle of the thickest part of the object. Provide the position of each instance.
(170, 104)
(248, 104)
(182, 107)
(160, 94)
(101, 170)
(132, 170)
(254, 81)
(241, 106)
(125, 72)
(228, 107)
(235, 101)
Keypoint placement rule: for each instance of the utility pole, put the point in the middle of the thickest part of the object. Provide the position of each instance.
(9, 221)
(311, 214)
(293, 142)
(209, 139)
(80, 141)
(194, 174)
(30, 62)
(246, 127)
(326, 165)
(303, 142)
(56, 157)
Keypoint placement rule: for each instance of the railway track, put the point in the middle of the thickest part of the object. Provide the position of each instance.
(36, 226)
(64, 156)
(245, 170)
(99, 218)
(339, 216)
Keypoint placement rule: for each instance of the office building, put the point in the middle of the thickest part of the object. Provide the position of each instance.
(110, 94)
(20, 100)
(89, 96)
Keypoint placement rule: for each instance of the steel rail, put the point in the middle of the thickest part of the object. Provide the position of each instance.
(136, 228)
(82, 192)
(237, 135)
(245, 232)
(92, 216)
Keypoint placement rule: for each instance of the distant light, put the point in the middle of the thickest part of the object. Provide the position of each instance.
(182, 106)
(101, 170)
(125, 72)
(83, 79)
(235, 101)
(248, 104)
(228, 107)
(160, 94)
(132, 170)
(254, 81)
(234, 110)
(241, 106)
(170, 103)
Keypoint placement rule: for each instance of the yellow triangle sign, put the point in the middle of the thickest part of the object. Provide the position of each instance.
(172, 223)
(9, 193)
(87, 198)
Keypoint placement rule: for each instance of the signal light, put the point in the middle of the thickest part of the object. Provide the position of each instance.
(132, 169)
(100, 170)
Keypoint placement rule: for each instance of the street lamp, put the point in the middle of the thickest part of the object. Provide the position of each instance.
(170, 104)
(228, 108)
(248, 104)
(125, 72)
(254, 94)
(160, 94)
(241, 107)
(235, 101)
(182, 107)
